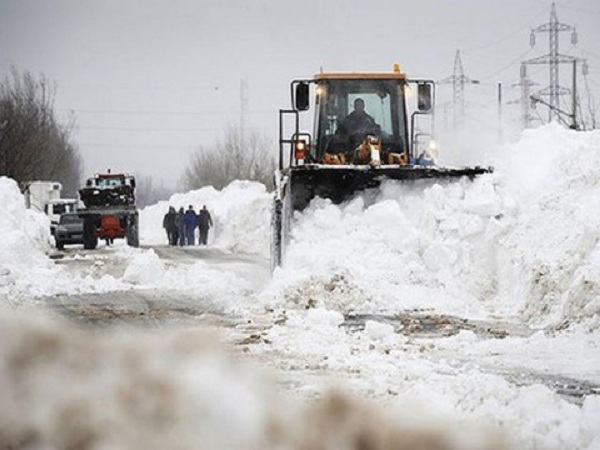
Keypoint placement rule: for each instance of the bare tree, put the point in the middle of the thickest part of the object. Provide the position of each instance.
(33, 145)
(231, 159)
(148, 193)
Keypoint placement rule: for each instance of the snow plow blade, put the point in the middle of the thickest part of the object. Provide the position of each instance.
(341, 183)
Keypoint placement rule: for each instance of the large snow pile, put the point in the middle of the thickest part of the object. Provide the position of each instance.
(25, 239)
(63, 388)
(522, 239)
(551, 257)
(25, 233)
(240, 213)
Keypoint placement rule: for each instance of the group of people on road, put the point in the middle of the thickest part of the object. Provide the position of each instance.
(181, 225)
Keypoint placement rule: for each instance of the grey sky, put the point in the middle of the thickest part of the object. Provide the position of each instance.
(149, 81)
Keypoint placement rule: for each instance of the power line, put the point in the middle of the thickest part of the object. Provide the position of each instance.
(174, 130)
(508, 35)
(130, 146)
(592, 54)
(503, 68)
(161, 113)
(585, 11)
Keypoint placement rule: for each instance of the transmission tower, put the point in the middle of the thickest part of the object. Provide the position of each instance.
(553, 59)
(525, 83)
(458, 81)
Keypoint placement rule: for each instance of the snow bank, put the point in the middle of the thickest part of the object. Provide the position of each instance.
(64, 388)
(25, 239)
(25, 233)
(418, 245)
(551, 257)
(524, 240)
(240, 212)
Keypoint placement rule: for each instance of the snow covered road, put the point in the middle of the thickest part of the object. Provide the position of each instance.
(491, 346)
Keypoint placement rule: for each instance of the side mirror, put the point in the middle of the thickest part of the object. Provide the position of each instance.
(302, 94)
(424, 96)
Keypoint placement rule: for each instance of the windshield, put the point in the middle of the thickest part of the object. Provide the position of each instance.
(349, 110)
(61, 208)
(70, 218)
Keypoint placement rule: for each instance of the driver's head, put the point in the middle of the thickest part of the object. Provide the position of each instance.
(359, 105)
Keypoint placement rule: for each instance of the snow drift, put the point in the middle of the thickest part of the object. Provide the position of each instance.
(522, 240)
(63, 388)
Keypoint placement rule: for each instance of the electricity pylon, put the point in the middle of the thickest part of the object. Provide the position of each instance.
(553, 58)
(458, 81)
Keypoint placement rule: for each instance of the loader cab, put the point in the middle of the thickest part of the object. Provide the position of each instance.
(400, 124)
(384, 105)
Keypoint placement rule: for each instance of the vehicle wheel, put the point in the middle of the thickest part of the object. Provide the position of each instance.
(60, 245)
(133, 231)
(90, 240)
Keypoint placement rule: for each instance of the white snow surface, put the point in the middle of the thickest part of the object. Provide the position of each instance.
(521, 242)
(240, 213)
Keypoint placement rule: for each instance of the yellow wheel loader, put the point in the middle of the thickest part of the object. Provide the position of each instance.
(368, 127)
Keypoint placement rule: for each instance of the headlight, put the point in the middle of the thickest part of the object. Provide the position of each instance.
(432, 149)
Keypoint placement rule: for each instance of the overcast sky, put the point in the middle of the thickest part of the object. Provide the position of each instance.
(150, 81)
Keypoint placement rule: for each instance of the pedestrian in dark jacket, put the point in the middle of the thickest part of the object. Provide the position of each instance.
(204, 224)
(191, 222)
(181, 226)
(169, 225)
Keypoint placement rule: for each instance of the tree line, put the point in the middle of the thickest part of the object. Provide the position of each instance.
(233, 157)
(34, 144)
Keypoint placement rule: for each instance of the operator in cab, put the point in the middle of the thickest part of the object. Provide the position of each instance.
(358, 124)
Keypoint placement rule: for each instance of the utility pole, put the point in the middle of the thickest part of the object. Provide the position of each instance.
(553, 58)
(574, 122)
(458, 81)
(500, 136)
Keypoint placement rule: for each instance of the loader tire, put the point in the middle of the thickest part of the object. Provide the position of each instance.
(90, 240)
(133, 231)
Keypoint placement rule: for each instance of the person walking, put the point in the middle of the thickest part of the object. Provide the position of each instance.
(191, 222)
(181, 226)
(169, 225)
(204, 224)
